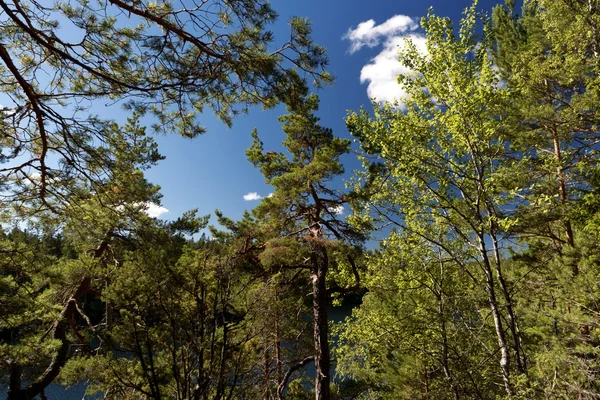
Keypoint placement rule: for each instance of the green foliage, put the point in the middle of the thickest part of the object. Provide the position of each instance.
(302, 218)
(489, 173)
(94, 289)
(484, 183)
(171, 62)
(419, 329)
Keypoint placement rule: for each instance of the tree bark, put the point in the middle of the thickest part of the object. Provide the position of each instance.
(493, 303)
(289, 373)
(443, 331)
(266, 370)
(520, 359)
(278, 362)
(322, 360)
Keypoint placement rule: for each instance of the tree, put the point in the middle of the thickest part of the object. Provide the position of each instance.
(183, 320)
(65, 168)
(548, 57)
(418, 333)
(279, 313)
(437, 169)
(303, 214)
(59, 288)
(61, 59)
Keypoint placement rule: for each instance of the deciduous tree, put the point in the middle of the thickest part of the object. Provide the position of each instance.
(436, 167)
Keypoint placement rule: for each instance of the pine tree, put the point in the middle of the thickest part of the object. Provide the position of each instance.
(171, 61)
(548, 58)
(58, 289)
(303, 215)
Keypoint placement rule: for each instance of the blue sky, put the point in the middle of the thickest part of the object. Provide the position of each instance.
(361, 37)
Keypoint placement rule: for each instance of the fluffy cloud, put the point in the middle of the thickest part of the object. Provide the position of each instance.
(154, 210)
(252, 196)
(382, 70)
(36, 177)
(369, 34)
(151, 209)
(7, 111)
(338, 210)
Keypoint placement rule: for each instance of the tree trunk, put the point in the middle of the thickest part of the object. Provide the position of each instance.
(520, 359)
(266, 370)
(445, 363)
(439, 294)
(200, 374)
(278, 362)
(504, 355)
(322, 361)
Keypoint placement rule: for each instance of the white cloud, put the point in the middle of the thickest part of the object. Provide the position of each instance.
(36, 178)
(369, 34)
(154, 210)
(382, 71)
(8, 111)
(252, 196)
(151, 209)
(338, 210)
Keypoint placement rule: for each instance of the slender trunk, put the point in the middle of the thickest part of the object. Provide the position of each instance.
(491, 292)
(155, 381)
(322, 361)
(445, 363)
(561, 179)
(175, 350)
(554, 319)
(504, 356)
(278, 362)
(426, 378)
(213, 339)
(439, 293)
(520, 359)
(200, 378)
(266, 370)
(186, 389)
(222, 358)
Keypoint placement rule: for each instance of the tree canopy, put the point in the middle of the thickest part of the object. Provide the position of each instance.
(165, 59)
(481, 187)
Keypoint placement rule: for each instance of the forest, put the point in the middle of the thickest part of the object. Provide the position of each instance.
(470, 249)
